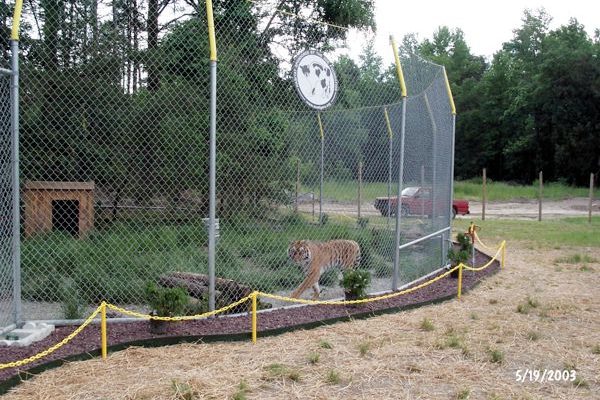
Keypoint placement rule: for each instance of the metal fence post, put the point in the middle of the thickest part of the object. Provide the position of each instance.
(484, 194)
(322, 167)
(434, 135)
(360, 166)
(389, 186)
(16, 215)
(541, 195)
(591, 198)
(400, 74)
(297, 185)
(399, 202)
(213, 156)
(450, 209)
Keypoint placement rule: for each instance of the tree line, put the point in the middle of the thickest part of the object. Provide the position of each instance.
(117, 92)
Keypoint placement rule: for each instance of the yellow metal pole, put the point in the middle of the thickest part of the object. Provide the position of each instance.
(398, 67)
(320, 126)
(387, 123)
(503, 253)
(254, 321)
(103, 330)
(212, 42)
(16, 20)
(212, 168)
(452, 106)
(460, 268)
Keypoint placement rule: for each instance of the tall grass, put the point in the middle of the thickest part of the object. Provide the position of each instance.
(548, 233)
(501, 191)
(347, 191)
(115, 263)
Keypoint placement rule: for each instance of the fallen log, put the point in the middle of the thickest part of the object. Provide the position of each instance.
(198, 283)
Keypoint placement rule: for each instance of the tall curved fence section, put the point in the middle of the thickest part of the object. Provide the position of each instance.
(115, 170)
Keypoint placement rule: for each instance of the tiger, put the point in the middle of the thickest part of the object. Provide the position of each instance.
(317, 257)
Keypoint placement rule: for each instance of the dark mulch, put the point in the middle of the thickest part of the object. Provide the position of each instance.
(270, 322)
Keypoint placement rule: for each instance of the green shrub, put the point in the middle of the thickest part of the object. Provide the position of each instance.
(73, 305)
(355, 283)
(166, 302)
(462, 254)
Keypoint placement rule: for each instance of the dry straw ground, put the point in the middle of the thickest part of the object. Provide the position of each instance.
(540, 312)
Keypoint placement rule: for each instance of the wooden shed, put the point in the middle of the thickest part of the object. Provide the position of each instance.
(58, 206)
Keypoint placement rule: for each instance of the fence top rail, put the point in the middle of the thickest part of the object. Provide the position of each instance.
(434, 234)
(4, 71)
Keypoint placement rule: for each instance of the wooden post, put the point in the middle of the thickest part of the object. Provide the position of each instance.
(541, 193)
(591, 198)
(297, 184)
(460, 273)
(360, 165)
(484, 195)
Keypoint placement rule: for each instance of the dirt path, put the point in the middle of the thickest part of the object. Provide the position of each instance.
(539, 313)
(525, 209)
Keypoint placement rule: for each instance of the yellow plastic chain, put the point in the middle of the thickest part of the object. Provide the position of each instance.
(252, 296)
(481, 243)
(489, 262)
(371, 299)
(55, 347)
(182, 318)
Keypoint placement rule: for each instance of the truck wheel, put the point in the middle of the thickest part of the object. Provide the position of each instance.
(404, 211)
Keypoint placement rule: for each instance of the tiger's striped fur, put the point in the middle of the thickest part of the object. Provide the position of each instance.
(317, 257)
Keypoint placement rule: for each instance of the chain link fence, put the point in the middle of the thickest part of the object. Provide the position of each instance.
(7, 303)
(114, 156)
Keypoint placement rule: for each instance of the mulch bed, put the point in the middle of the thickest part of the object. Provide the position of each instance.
(238, 327)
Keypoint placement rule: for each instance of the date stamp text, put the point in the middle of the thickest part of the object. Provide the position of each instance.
(545, 375)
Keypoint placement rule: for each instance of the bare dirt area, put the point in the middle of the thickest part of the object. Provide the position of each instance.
(526, 209)
(538, 314)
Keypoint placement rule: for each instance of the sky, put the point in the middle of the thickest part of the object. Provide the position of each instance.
(486, 24)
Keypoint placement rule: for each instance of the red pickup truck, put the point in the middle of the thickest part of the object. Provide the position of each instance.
(417, 201)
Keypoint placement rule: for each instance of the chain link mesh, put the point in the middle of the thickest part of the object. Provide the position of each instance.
(114, 154)
(6, 183)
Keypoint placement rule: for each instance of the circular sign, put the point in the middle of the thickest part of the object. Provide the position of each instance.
(315, 80)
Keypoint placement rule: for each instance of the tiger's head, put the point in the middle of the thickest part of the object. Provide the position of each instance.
(299, 252)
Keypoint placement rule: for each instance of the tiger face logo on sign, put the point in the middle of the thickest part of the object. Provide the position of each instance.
(315, 80)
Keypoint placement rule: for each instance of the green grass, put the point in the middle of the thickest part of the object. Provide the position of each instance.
(576, 259)
(115, 263)
(550, 233)
(333, 377)
(314, 358)
(463, 394)
(496, 356)
(183, 390)
(363, 348)
(427, 325)
(347, 191)
(501, 191)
